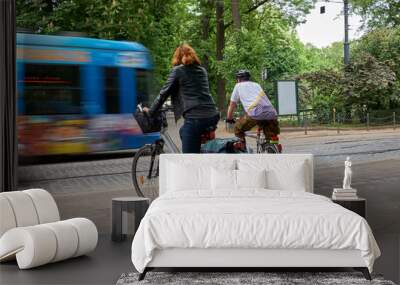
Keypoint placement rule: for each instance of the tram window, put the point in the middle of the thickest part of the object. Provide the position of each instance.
(111, 90)
(142, 86)
(51, 89)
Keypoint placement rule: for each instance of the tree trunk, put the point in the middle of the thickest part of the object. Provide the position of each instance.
(205, 29)
(248, 11)
(219, 55)
(236, 15)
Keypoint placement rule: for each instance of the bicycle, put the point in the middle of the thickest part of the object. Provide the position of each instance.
(145, 165)
(262, 145)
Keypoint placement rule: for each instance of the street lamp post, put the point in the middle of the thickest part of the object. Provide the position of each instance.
(346, 45)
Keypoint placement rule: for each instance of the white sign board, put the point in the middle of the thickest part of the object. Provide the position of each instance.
(287, 97)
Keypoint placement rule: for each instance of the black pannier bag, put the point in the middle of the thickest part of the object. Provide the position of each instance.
(218, 145)
(150, 124)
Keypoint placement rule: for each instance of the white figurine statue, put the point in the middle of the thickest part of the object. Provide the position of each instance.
(347, 174)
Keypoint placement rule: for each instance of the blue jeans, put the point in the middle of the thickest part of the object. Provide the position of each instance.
(192, 130)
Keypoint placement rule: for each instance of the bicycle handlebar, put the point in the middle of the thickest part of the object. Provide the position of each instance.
(165, 109)
(162, 109)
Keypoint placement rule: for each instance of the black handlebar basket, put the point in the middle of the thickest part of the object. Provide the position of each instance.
(150, 124)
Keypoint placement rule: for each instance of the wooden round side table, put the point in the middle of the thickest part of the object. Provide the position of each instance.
(121, 206)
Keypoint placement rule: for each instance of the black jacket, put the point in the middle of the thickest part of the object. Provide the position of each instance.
(189, 90)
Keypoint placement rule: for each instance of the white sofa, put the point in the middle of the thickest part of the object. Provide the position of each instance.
(31, 231)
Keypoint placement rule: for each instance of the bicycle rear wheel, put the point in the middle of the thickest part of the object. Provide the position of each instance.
(267, 148)
(145, 171)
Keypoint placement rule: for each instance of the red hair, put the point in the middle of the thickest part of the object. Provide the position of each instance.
(185, 54)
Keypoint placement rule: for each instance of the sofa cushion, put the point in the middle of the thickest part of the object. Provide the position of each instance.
(27, 208)
(23, 207)
(87, 233)
(46, 207)
(7, 216)
(67, 240)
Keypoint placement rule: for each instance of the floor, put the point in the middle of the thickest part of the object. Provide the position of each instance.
(110, 259)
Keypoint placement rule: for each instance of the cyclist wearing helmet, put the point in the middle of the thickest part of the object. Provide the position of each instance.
(259, 110)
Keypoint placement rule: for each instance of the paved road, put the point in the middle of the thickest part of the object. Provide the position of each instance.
(100, 175)
(331, 150)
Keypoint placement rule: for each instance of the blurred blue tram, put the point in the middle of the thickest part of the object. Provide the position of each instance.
(77, 95)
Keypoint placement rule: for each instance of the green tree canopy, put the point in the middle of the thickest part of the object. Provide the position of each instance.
(378, 13)
(262, 37)
(365, 84)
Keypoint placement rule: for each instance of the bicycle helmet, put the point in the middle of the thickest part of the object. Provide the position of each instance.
(243, 74)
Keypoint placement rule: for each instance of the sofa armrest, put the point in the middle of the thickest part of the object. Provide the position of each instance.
(40, 244)
(32, 246)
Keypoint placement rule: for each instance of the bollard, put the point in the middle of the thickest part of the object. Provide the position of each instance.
(305, 124)
(338, 126)
(367, 121)
(394, 121)
(334, 115)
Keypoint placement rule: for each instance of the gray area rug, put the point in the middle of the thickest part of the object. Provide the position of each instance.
(269, 278)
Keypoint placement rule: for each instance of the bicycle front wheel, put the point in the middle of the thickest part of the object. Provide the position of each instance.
(145, 171)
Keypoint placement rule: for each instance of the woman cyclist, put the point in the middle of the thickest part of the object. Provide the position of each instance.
(188, 86)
